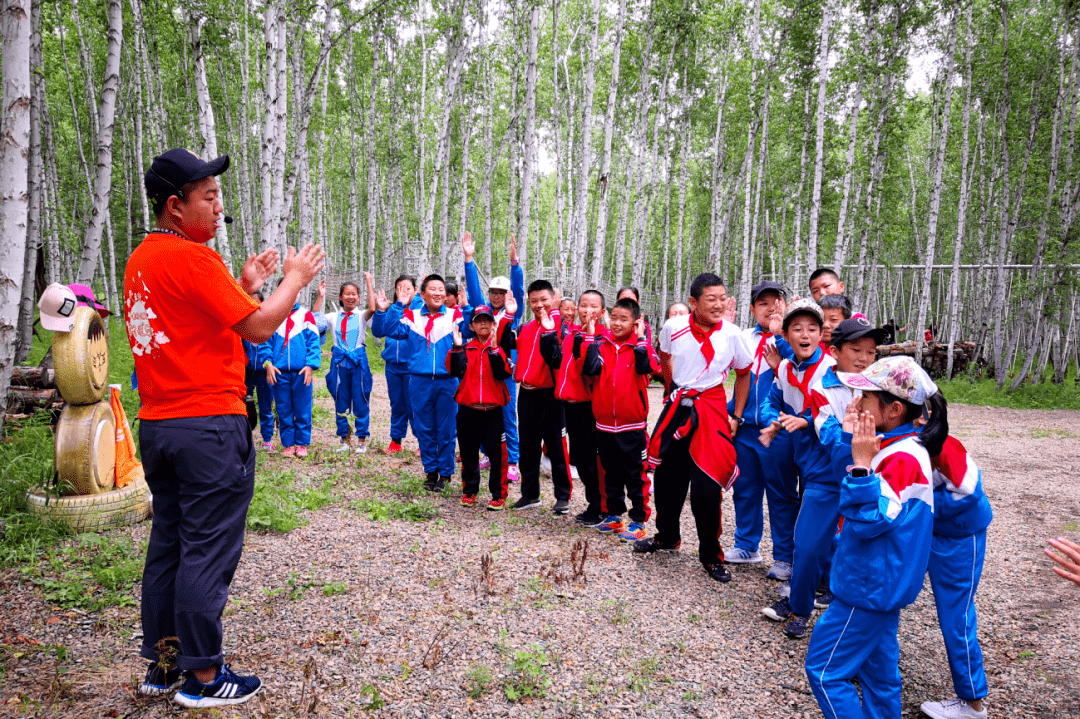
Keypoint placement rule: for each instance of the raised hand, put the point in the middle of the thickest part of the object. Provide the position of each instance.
(776, 324)
(257, 268)
(511, 305)
(865, 441)
(546, 320)
(852, 414)
(729, 310)
(772, 357)
(458, 340)
(590, 323)
(468, 246)
(306, 264)
(639, 328)
(322, 288)
(1068, 561)
(381, 302)
(513, 249)
(368, 278)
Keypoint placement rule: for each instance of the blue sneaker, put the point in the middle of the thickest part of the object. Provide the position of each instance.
(778, 612)
(612, 525)
(634, 532)
(228, 688)
(822, 599)
(795, 626)
(160, 680)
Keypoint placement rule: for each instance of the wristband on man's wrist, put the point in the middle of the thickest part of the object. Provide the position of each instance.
(267, 364)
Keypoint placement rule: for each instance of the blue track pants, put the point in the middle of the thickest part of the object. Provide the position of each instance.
(510, 422)
(264, 396)
(293, 399)
(351, 396)
(435, 421)
(849, 642)
(955, 567)
(765, 472)
(397, 386)
(814, 532)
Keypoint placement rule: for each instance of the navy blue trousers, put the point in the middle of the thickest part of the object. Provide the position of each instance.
(397, 386)
(765, 472)
(201, 471)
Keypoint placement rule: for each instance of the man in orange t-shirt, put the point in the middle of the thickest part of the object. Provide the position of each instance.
(185, 316)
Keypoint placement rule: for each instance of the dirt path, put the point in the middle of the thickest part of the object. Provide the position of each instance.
(402, 613)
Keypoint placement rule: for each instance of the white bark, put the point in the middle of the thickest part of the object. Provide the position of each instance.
(207, 123)
(819, 145)
(267, 234)
(15, 26)
(105, 123)
(580, 241)
(34, 189)
(529, 155)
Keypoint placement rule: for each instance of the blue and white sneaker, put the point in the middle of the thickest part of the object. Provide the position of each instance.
(780, 571)
(160, 680)
(822, 599)
(742, 556)
(228, 688)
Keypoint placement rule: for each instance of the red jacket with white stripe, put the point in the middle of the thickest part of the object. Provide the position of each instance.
(532, 369)
(571, 384)
(483, 371)
(620, 398)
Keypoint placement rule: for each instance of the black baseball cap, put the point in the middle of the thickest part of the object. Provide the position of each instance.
(172, 170)
(767, 286)
(855, 328)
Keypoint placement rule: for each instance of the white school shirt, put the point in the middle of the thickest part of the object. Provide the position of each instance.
(334, 321)
(688, 363)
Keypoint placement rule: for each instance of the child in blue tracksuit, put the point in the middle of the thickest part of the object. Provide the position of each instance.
(293, 354)
(764, 471)
(264, 394)
(853, 347)
(961, 515)
(497, 290)
(429, 332)
(396, 355)
(887, 501)
(349, 379)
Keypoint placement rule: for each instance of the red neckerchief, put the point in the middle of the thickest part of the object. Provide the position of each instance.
(345, 328)
(288, 328)
(760, 351)
(704, 339)
(804, 385)
(430, 325)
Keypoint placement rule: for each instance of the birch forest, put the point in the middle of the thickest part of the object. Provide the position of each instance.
(925, 149)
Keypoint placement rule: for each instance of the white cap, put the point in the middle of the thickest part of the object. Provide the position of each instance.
(57, 305)
(502, 282)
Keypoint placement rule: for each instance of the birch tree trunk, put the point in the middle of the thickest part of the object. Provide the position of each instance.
(267, 234)
(529, 155)
(34, 190)
(819, 144)
(580, 243)
(207, 124)
(105, 123)
(603, 185)
(15, 27)
(935, 194)
(372, 166)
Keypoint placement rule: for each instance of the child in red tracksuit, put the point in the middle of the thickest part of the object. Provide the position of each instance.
(574, 389)
(483, 367)
(623, 364)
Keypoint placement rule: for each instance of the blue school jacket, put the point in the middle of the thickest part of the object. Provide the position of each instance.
(295, 343)
(829, 400)
(960, 505)
(517, 288)
(762, 375)
(395, 351)
(884, 545)
(813, 462)
(429, 336)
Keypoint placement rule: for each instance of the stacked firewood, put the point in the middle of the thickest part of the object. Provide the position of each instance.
(33, 389)
(935, 358)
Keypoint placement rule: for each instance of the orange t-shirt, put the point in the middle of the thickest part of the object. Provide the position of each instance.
(180, 304)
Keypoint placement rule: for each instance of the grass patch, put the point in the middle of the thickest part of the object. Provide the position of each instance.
(969, 389)
(276, 506)
(528, 678)
(478, 680)
(410, 510)
(92, 572)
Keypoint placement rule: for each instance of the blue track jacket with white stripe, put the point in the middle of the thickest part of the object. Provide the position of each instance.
(829, 400)
(430, 335)
(295, 343)
(757, 339)
(884, 545)
(960, 505)
(813, 462)
(397, 351)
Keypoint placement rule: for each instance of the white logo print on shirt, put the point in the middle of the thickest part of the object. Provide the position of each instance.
(144, 338)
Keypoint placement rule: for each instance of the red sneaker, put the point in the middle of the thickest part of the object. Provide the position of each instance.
(393, 448)
(468, 500)
(496, 505)
(289, 452)
(301, 452)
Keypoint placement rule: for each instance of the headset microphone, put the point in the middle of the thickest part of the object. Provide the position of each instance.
(228, 219)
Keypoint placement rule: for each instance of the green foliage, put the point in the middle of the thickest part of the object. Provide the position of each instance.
(478, 680)
(966, 389)
(26, 462)
(528, 678)
(276, 505)
(412, 510)
(91, 572)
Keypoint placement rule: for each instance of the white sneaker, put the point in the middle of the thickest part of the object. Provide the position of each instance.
(741, 556)
(343, 446)
(955, 708)
(784, 591)
(361, 448)
(781, 571)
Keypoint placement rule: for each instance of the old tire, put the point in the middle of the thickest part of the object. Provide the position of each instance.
(95, 511)
(81, 359)
(86, 449)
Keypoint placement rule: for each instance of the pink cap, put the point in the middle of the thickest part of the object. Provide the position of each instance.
(85, 297)
(57, 306)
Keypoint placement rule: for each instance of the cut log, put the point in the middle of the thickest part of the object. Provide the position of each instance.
(935, 358)
(23, 400)
(36, 377)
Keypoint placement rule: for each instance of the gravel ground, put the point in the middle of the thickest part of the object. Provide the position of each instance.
(422, 630)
